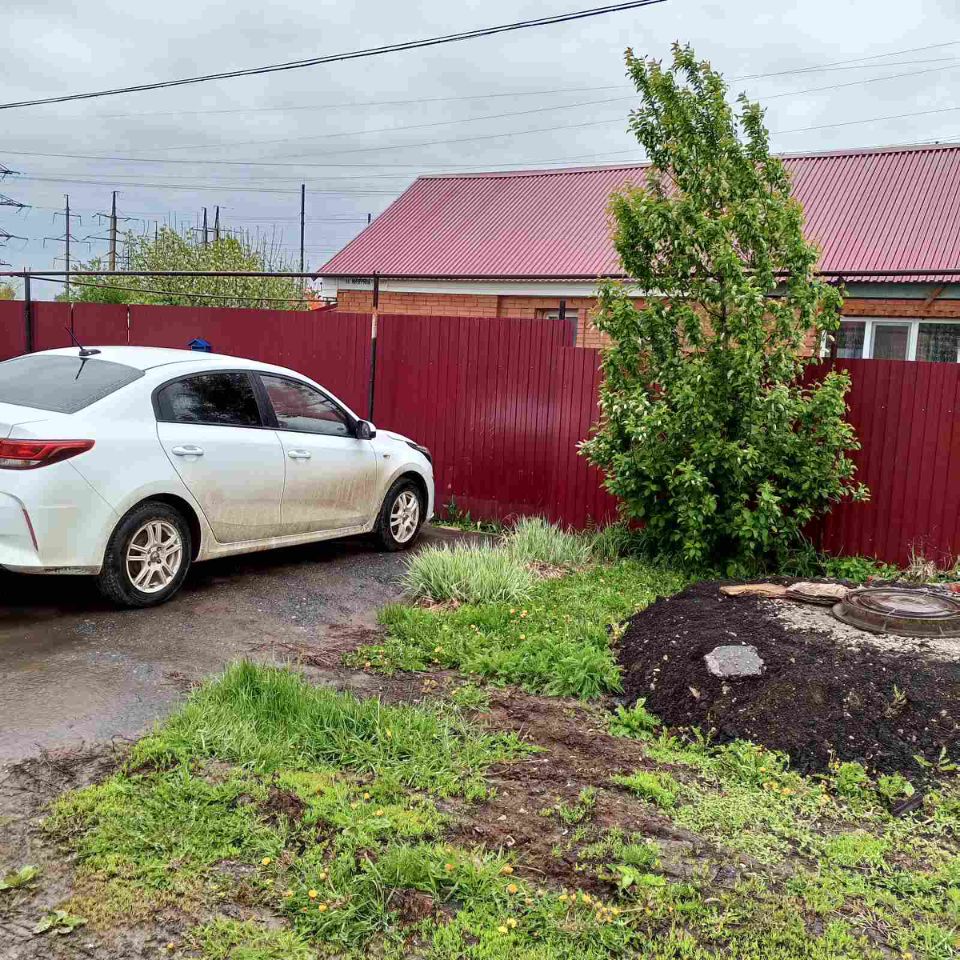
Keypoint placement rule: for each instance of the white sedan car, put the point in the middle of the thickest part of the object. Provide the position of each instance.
(130, 463)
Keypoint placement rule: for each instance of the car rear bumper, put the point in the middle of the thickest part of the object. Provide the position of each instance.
(52, 521)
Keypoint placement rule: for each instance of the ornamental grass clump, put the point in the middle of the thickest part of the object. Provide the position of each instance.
(468, 574)
(534, 541)
(710, 432)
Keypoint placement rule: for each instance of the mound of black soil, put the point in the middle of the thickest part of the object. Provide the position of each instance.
(819, 699)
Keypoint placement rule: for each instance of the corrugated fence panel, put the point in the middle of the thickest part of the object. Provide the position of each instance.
(504, 403)
(104, 324)
(13, 340)
(905, 415)
(331, 348)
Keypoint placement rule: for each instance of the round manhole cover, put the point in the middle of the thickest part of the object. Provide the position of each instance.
(908, 613)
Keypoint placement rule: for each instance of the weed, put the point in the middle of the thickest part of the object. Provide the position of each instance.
(58, 921)
(20, 878)
(574, 813)
(467, 574)
(451, 515)
(635, 722)
(658, 788)
(470, 696)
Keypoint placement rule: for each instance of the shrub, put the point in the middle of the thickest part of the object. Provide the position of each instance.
(468, 574)
(708, 433)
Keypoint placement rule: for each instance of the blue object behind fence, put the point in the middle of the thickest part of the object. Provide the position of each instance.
(198, 343)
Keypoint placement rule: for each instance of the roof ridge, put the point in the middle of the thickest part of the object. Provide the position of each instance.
(641, 165)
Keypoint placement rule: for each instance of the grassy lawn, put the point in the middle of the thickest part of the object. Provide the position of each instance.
(349, 822)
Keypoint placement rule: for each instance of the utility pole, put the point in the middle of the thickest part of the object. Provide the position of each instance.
(303, 220)
(216, 225)
(204, 226)
(6, 201)
(67, 238)
(113, 231)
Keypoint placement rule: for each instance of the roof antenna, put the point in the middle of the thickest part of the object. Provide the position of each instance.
(84, 351)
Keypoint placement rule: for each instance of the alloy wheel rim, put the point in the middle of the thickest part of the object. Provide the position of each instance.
(154, 556)
(405, 516)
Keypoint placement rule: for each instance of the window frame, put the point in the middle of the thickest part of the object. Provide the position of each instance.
(913, 333)
(267, 406)
(263, 425)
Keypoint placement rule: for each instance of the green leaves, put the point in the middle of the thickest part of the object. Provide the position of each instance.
(708, 432)
(58, 921)
(17, 879)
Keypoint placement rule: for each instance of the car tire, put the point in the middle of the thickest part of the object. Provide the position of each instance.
(393, 527)
(147, 557)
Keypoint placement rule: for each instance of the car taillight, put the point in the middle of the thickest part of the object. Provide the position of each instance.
(27, 454)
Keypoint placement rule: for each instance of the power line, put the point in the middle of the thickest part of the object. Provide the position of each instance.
(851, 64)
(340, 57)
(371, 149)
(851, 123)
(410, 126)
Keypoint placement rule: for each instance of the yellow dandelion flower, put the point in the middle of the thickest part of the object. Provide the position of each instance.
(511, 923)
(322, 875)
(366, 796)
(378, 813)
(266, 861)
(312, 894)
(501, 929)
(449, 867)
(563, 898)
(586, 898)
(512, 888)
(322, 908)
(506, 869)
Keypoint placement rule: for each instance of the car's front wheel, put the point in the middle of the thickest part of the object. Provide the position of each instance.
(401, 516)
(148, 556)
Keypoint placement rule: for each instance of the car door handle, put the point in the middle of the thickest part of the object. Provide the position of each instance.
(299, 454)
(187, 450)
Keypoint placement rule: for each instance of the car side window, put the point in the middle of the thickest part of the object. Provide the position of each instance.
(224, 399)
(304, 409)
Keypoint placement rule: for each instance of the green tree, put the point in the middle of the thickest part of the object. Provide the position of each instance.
(7, 292)
(171, 250)
(707, 433)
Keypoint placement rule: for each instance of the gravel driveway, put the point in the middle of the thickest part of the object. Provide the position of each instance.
(73, 669)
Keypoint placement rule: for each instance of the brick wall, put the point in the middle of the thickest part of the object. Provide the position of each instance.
(526, 308)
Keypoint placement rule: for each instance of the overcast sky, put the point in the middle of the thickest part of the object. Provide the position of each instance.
(549, 96)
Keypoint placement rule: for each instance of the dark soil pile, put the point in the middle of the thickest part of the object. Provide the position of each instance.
(818, 699)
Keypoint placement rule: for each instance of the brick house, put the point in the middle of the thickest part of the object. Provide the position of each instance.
(533, 244)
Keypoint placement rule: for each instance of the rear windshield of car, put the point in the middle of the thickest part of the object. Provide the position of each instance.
(61, 384)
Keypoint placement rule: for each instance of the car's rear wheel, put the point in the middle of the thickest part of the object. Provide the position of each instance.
(148, 556)
(401, 516)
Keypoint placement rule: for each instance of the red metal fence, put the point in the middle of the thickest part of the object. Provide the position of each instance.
(503, 403)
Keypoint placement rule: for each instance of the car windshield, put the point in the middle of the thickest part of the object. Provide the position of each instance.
(61, 384)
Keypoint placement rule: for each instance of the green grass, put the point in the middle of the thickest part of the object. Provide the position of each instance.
(270, 719)
(557, 641)
(360, 863)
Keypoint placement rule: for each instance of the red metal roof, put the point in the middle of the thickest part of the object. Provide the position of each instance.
(888, 209)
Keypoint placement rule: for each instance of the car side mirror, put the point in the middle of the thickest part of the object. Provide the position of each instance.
(365, 430)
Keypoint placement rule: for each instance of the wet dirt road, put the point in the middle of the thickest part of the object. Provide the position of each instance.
(73, 669)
